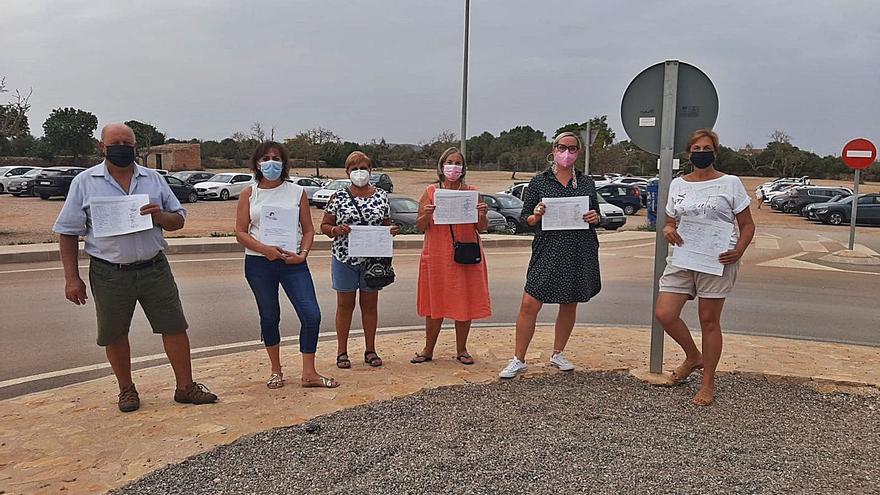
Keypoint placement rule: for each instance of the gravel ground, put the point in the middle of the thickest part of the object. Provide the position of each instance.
(591, 433)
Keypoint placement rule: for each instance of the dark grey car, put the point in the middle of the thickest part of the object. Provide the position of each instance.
(508, 206)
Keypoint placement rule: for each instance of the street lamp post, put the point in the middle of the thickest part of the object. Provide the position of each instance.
(464, 79)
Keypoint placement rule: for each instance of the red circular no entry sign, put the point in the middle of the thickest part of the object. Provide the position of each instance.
(859, 153)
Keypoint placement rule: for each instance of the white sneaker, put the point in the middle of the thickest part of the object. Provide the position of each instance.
(560, 361)
(513, 368)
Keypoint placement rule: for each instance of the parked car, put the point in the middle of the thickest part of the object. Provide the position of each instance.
(809, 210)
(777, 189)
(630, 180)
(840, 212)
(223, 186)
(23, 185)
(800, 197)
(8, 174)
(404, 212)
(322, 196)
(613, 217)
(54, 181)
(382, 181)
(510, 207)
(762, 191)
(193, 177)
(184, 192)
(626, 197)
(310, 186)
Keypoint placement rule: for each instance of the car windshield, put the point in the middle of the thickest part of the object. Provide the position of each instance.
(401, 205)
(3, 170)
(221, 178)
(33, 172)
(509, 202)
(601, 199)
(837, 198)
(183, 175)
(338, 184)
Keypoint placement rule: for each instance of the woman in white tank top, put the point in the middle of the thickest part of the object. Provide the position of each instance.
(274, 225)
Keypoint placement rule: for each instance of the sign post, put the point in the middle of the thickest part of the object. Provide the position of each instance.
(857, 154)
(661, 107)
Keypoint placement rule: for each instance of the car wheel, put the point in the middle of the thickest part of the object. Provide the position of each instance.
(224, 195)
(44, 196)
(193, 197)
(835, 218)
(512, 225)
(629, 210)
(1, 189)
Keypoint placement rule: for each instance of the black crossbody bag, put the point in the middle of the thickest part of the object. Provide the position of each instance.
(379, 272)
(465, 253)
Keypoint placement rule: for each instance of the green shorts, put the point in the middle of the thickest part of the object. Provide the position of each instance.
(116, 291)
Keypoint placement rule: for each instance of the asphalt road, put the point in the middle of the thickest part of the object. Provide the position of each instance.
(42, 332)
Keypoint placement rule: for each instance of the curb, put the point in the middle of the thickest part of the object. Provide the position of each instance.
(36, 253)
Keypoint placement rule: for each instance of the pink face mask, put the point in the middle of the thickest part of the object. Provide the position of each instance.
(452, 172)
(565, 158)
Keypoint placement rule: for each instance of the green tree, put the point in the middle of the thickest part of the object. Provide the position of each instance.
(147, 136)
(312, 144)
(13, 114)
(598, 124)
(70, 130)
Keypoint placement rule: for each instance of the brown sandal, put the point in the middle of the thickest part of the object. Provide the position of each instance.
(342, 361)
(465, 359)
(375, 361)
(419, 359)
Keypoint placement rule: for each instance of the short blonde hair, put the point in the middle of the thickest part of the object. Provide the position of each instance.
(701, 133)
(356, 158)
(446, 154)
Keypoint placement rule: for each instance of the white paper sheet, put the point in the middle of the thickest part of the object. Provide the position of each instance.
(118, 215)
(703, 241)
(565, 213)
(455, 207)
(370, 242)
(279, 226)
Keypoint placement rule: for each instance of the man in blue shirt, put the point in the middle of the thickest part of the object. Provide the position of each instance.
(129, 268)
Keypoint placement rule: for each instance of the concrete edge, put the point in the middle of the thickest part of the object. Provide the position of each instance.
(36, 253)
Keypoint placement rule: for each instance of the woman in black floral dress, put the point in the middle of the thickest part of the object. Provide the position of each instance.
(564, 268)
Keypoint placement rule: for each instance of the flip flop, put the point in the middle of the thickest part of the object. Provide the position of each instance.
(418, 359)
(321, 383)
(465, 359)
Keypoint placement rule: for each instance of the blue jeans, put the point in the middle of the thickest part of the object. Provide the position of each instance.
(264, 277)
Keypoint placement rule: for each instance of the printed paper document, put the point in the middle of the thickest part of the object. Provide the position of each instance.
(565, 213)
(455, 207)
(118, 215)
(703, 241)
(370, 242)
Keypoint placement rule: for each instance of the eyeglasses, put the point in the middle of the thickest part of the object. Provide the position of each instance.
(570, 149)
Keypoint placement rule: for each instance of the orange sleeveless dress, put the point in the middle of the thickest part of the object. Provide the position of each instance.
(448, 289)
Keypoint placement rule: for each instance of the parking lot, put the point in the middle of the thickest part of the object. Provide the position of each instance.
(29, 219)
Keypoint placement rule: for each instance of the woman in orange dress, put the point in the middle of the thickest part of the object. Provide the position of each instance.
(448, 289)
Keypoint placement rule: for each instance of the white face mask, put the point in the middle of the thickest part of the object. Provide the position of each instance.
(360, 178)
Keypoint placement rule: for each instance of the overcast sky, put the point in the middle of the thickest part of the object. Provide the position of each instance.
(392, 68)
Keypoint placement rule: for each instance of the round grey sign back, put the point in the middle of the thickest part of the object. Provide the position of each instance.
(642, 108)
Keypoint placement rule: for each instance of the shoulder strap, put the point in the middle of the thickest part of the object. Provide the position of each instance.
(356, 207)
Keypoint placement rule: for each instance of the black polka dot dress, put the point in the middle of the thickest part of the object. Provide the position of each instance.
(564, 267)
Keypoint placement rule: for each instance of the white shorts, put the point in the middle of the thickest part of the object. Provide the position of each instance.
(698, 284)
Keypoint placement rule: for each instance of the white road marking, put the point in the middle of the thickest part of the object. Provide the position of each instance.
(813, 246)
(766, 243)
(791, 262)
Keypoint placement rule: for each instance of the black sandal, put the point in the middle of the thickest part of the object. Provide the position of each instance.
(374, 361)
(342, 361)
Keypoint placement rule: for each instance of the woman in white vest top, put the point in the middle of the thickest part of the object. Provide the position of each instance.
(277, 256)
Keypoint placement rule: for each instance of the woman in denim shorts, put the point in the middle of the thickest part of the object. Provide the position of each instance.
(361, 203)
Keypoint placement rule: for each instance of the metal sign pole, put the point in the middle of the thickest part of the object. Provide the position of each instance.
(661, 249)
(585, 139)
(464, 80)
(855, 204)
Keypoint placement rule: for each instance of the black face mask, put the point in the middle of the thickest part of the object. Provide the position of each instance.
(702, 159)
(121, 155)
